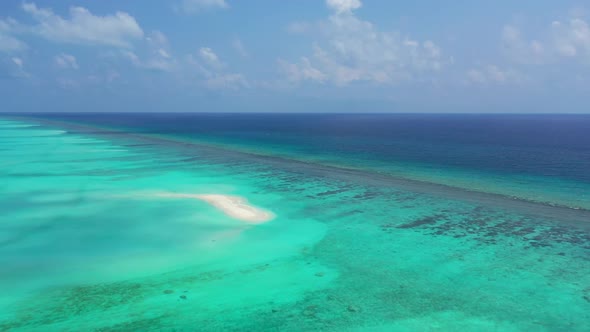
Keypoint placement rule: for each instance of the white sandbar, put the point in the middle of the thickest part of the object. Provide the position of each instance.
(234, 206)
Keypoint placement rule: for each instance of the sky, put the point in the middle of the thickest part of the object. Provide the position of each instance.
(492, 56)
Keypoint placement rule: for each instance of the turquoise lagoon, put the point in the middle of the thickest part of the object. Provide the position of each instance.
(84, 247)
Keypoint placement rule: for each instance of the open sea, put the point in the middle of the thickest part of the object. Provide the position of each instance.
(399, 222)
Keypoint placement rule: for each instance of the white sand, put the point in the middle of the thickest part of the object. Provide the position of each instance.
(234, 206)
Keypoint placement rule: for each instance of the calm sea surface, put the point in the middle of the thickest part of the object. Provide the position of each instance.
(383, 222)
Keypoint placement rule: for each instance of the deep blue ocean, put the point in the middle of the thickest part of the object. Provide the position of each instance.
(544, 145)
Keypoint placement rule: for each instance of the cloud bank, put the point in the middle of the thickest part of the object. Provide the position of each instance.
(349, 49)
(118, 30)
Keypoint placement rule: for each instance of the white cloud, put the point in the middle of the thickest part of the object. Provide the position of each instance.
(66, 61)
(492, 74)
(210, 57)
(214, 72)
(564, 40)
(159, 56)
(151, 64)
(198, 6)
(118, 29)
(8, 43)
(159, 46)
(17, 61)
(572, 38)
(350, 49)
(157, 39)
(302, 71)
(521, 51)
(343, 6)
(15, 67)
(154, 63)
(163, 53)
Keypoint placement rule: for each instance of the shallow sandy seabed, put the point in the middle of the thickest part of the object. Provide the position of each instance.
(234, 206)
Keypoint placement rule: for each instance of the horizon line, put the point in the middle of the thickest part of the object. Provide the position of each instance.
(293, 113)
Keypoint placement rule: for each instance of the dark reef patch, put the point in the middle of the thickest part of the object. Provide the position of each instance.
(429, 220)
(487, 226)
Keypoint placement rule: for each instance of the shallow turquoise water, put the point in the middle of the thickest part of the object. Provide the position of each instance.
(82, 248)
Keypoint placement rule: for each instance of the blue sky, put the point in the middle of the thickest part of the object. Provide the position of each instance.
(295, 56)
